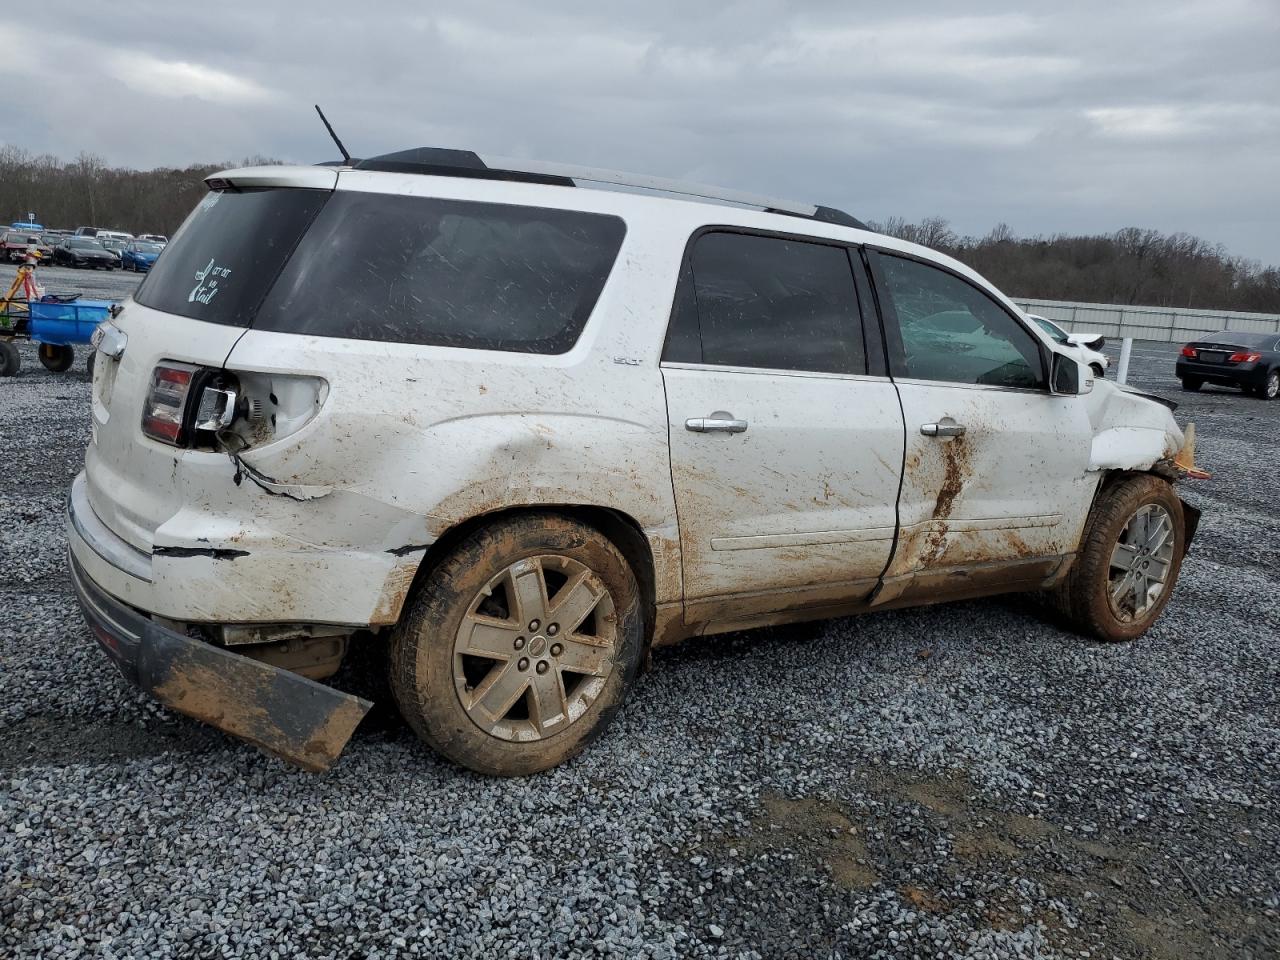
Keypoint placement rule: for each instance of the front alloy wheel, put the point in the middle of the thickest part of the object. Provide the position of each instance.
(1128, 559)
(1140, 563)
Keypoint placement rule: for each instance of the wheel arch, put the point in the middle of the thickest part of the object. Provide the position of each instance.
(622, 530)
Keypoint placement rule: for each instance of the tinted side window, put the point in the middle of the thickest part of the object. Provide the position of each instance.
(224, 258)
(445, 272)
(954, 332)
(779, 304)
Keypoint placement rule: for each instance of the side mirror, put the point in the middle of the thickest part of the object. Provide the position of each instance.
(1069, 377)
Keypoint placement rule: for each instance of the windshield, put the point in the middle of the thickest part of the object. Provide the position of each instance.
(86, 245)
(1051, 328)
(145, 247)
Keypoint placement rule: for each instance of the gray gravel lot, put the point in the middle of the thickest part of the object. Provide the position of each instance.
(959, 781)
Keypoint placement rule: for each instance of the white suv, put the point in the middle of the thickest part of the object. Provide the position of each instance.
(531, 429)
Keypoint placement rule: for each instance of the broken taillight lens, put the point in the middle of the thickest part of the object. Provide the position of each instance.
(1189, 352)
(1244, 356)
(164, 412)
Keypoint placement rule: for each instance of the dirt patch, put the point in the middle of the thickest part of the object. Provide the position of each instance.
(814, 829)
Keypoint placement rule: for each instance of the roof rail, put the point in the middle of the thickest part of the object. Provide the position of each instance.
(439, 161)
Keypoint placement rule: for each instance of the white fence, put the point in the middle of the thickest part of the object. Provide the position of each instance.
(1148, 323)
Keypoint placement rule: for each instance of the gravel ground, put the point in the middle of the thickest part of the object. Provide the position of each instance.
(958, 781)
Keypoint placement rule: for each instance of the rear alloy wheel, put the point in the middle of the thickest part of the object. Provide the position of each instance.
(1271, 388)
(520, 646)
(1128, 562)
(10, 359)
(1192, 384)
(56, 357)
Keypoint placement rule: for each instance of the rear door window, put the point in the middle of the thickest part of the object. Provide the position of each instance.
(445, 272)
(768, 302)
(224, 258)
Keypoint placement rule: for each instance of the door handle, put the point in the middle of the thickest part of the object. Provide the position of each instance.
(945, 428)
(718, 422)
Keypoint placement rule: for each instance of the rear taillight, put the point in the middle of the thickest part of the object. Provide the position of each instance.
(1189, 352)
(1244, 356)
(208, 409)
(164, 412)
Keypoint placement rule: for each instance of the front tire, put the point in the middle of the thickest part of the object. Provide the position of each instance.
(1128, 562)
(56, 358)
(521, 645)
(1192, 384)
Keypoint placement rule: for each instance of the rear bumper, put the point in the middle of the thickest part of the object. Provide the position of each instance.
(241, 562)
(1232, 374)
(297, 719)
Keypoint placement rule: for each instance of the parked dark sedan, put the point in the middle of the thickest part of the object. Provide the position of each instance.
(1250, 361)
(84, 252)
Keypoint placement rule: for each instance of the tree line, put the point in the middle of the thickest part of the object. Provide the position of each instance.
(86, 192)
(1131, 266)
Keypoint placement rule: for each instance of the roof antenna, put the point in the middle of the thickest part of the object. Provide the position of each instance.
(346, 157)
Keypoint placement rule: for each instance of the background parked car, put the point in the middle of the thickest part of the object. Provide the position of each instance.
(16, 242)
(1087, 347)
(159, 238)
(113, 244)
(1249, 361)
(139, 255)
(84, 252)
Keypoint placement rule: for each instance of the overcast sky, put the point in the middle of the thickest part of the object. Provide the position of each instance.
(1065, 116)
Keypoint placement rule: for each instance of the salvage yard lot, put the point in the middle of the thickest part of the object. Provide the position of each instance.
(965, 780)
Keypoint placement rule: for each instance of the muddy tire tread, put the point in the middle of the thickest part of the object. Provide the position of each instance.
(437, 718)
(1081, 597)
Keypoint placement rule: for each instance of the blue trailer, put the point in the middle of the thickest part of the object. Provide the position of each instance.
(53, 323)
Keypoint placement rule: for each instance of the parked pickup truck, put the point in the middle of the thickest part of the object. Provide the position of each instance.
(543, 428)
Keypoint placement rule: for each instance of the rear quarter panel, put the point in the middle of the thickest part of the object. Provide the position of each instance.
(412, 440)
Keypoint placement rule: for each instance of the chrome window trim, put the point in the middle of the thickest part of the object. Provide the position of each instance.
(769, 371)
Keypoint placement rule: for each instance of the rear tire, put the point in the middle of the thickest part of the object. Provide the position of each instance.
(56, 357)
(481, 668)
(1192, 384)
(1098, 372)
(89, 363)
(1270, 389)
(10, 359)
(1126, 567)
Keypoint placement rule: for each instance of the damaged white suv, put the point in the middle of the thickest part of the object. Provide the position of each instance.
(531, 429)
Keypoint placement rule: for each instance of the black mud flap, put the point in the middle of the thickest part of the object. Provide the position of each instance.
(1190, 523)
(296, 719)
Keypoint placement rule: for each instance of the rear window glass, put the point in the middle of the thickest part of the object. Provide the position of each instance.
(223, 259)
(444, 272)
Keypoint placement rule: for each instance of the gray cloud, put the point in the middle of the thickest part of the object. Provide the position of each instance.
(1050, 117)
